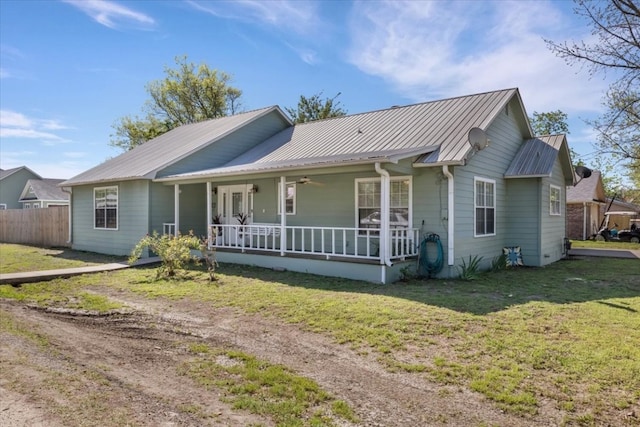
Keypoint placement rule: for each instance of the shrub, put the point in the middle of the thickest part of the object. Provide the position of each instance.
(174, 252)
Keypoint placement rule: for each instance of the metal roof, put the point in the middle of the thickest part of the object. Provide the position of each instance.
(145, 160)
(44, 189)
(535, 157)
(439, 127)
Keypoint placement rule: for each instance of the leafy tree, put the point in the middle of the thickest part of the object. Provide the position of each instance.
(615, 48)
(188, 94)
(549, 123)
(314, 108)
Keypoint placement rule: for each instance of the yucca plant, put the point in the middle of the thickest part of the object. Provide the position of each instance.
(469, 271)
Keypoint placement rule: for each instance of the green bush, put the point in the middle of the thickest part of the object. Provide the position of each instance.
(174, 252)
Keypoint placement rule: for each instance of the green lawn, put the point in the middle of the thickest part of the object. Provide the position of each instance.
(604, 245)
(19, 258)
(568, 333)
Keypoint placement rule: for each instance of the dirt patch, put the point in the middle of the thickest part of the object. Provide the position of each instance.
(125, 369)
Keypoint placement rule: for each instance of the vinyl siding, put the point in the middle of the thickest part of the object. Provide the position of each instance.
(193, 209)
(553, 227)
(11, 188)
(523, 221)
(505, 138)
(229, 147)
(133, 219)
(161, 202)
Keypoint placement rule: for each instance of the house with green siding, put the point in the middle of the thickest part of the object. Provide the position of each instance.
(12, 184)
(421, 187)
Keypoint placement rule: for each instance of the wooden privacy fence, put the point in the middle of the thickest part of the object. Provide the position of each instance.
(48, 227)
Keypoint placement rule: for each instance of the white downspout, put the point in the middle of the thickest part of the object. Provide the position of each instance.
(176, 208)
(584, 220)
(384, 214)
(70, 191)
(209, 216)
(283, 215)
(450, 215)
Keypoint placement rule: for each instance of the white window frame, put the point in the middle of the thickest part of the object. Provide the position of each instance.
(484, 206)
(294, 188)
(555, 206)
(3, 206)
(377, 180)
(117, 207)
(27, 206)
(36, 205)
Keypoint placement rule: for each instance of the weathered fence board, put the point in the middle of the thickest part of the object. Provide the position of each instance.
(48, 227)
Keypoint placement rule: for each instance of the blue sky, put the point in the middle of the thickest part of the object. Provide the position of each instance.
(69, 69)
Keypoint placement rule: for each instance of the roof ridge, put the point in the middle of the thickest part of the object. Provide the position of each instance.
(397, 107)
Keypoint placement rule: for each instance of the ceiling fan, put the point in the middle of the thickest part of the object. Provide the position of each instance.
(306, 180)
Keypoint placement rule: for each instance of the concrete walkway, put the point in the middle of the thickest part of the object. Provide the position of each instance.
(609, 253)
(44, 275)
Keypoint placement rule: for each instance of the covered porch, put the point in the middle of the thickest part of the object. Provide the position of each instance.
(357, 217)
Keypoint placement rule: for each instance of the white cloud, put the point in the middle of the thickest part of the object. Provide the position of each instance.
(18, 125)
(112, 15)
(293, 20)
(297, 16)
(12, 119)
(440, 49)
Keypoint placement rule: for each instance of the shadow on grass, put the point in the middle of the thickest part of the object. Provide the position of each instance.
(566, 281)
(88, 257)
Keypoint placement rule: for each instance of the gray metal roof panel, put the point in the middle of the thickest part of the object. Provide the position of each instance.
(535, 157)
(146, 159)
(443, 123)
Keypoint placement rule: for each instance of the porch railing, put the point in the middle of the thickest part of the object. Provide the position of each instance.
(361, 243)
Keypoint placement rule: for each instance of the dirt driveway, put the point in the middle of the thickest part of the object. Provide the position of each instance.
(124, 369)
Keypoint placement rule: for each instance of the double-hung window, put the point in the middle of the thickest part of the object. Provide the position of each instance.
(485, 207)
(105, 203)
(368, 202)
(290, 201)
(554, 200)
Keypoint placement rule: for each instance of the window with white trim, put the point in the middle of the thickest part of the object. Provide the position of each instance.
(368, 202)
(554, 200)
(290, 202)
(3, 206)
(27, 205)
(105, 203)
(485, 207)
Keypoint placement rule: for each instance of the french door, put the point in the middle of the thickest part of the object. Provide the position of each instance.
(234, 201)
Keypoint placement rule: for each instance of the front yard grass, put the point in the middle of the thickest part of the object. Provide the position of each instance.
(568, 333)
(20, 258)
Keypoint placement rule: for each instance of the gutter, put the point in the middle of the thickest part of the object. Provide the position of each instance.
(384, 214)
(450, 215)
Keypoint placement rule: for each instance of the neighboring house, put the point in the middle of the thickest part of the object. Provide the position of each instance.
(584, 203)
(12, 183)
(43, 193)
(361, 192)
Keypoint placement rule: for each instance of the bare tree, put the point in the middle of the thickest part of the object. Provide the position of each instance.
(615, 25)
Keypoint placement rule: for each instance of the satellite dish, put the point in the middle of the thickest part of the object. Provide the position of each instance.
(478, 139)
(583, 171)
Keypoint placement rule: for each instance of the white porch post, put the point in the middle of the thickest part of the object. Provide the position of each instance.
(385, 230)
(209, 216)
(283, 214)
(176, 208)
